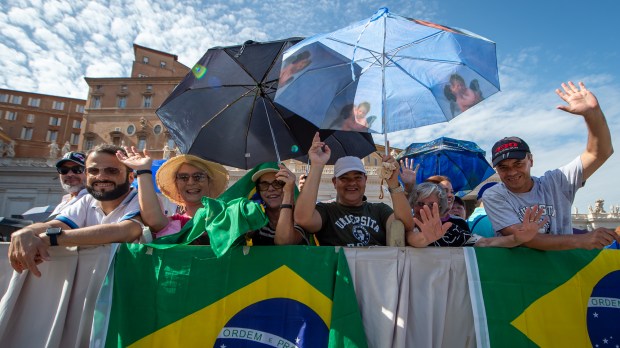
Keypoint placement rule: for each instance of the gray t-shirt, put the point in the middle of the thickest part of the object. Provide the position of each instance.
(554, 192)
(353, 226)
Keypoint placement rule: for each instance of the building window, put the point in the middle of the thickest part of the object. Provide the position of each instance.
(141, 144)
(122, 102)
(56, 105)
(15, 99)
(79, 108)
(11, 115)
(55, 121)
(162, 64)
(89, 144)
(34, 102)
(116, 140)
(149, 88)
(30, 118)
(77, 124)
(4, 98)
(98, 88)
(171, 144)
(131, 129)
(75, 137)
(96, 104)
(51, 136)
(148, 100)
(123, 88)
(145, 60)
(26, 133)
(157, 129)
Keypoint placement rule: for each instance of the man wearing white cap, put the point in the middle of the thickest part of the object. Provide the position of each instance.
(350, 220)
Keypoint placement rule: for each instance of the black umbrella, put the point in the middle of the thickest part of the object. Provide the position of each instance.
(223, 110)
(341, 143)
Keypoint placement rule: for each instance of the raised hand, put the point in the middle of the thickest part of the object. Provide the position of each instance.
(319, 152)
(134, 159)
(286, 176)
(531, 224)
(407, 172)
(430, 225)
(580, 100)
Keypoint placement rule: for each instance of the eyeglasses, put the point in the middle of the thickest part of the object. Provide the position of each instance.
(198, 177)
(264, 186)
(106, 171)
(74, 170)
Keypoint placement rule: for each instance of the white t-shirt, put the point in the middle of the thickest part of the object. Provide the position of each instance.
(554, 192)
(68, 200)
(87, 211)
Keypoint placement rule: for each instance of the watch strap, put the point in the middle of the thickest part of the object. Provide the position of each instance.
(144, 171)
(53, 239)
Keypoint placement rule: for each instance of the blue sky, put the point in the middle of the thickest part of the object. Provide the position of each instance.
(50, 46)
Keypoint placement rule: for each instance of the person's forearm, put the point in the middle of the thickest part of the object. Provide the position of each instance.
(599, 147)
(150, 210)
(416, 239)
(123, 232)
(400, 204)
(501, 241)
(285, 232)
(306, 202)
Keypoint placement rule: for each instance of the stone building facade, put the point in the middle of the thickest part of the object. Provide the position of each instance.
(34, 122)
(121, 111)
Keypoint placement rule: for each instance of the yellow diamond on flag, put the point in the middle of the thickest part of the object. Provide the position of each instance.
(559, 318)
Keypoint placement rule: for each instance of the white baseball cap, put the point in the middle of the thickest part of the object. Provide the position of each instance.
(348, 164)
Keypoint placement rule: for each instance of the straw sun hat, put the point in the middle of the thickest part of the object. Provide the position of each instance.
(166, 176)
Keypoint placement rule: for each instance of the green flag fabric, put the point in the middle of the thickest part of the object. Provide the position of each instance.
(245, 187)
(224, 221)
(547, 299)
(250, 297)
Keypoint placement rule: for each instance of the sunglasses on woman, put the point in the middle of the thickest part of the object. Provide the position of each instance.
(198, 177)
(74, 170)
(264, 185)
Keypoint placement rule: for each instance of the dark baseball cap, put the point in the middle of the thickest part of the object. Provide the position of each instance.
(509, 148)
(75, 157)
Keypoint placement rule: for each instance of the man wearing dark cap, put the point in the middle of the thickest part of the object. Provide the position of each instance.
(555, 190)
(72, 178)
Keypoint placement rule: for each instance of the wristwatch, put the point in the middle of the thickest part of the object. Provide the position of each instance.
(52, 233)
(396, 189)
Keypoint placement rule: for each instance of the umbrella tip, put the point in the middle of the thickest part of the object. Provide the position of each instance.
(382, 11)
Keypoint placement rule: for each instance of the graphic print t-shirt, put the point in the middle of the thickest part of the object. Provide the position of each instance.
(353, 226)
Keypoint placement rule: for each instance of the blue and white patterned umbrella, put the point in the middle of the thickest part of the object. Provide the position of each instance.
(404, 73)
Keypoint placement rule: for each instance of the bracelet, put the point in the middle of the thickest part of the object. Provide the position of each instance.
(144, 171)
(396, 189)
(286, 206)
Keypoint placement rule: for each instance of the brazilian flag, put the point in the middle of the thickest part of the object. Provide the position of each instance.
(528, 298)
(282, 296)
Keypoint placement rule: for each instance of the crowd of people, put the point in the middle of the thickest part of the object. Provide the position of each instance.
(101, 206)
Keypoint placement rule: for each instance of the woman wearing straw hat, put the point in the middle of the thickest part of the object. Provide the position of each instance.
(183, 179)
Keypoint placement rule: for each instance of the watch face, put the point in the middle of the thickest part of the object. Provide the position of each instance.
(53, 231)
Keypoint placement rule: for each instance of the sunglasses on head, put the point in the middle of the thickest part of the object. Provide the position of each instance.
(264, 186)
(74, 170)
(106, 171)
(198, 177)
